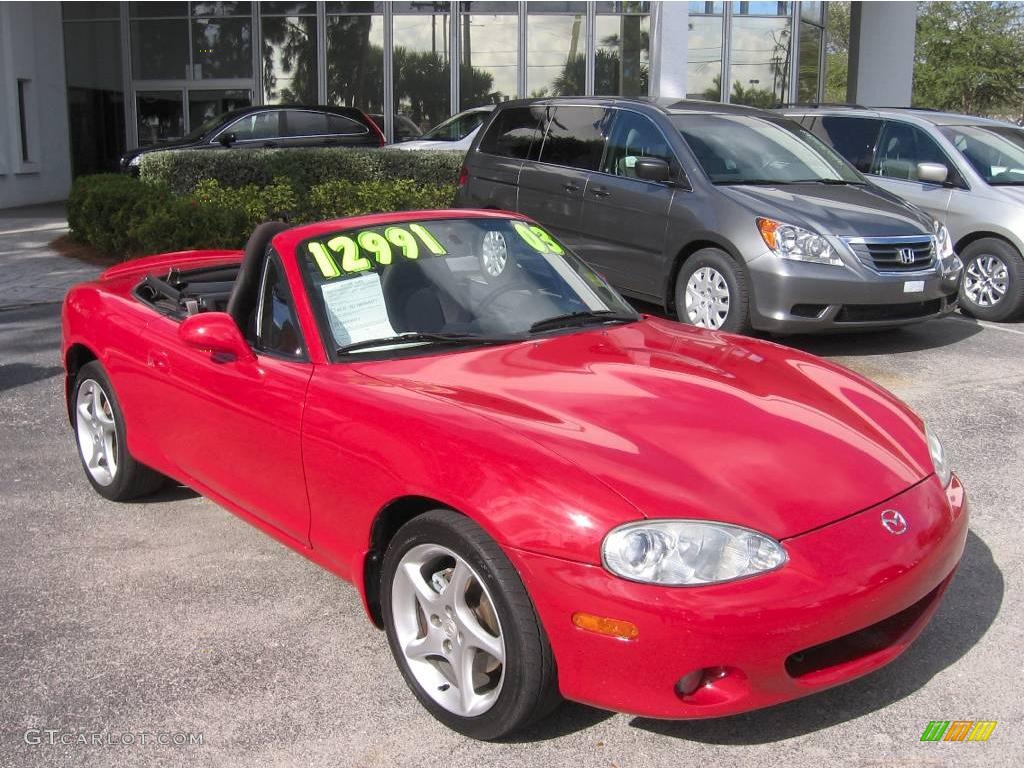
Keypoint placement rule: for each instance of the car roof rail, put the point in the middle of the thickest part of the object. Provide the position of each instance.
(915, 109)
(824, 105)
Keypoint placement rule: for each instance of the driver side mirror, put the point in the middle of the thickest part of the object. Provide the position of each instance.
(215, 332)
(227, 139)
(652, 169)
(933, 172)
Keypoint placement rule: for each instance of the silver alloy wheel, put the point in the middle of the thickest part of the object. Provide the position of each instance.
(448, 630)
(494, 253)
(97, 433)
(986, 280)
(707, 298)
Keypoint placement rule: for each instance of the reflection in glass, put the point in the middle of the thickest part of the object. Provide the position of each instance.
(622, 65)
(810, 62)
(223, 9)
(704, 58)
(759, 61)
(490, 46)
(556, 53)
(151, 10)
(160, 49)
(810, 10)
(761, 9)
(161, 117)
(221, 48)
(355, 62)
(94, 10)
(92, 53)
(289, 60)
(421, 67)
(205, 105)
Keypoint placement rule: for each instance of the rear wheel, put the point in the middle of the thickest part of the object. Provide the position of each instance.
(993, 281)
(100, 432)
(463, 629)
(711, 292)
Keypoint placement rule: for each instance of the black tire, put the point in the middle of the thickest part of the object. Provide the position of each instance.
(737, 320)
(130, 479)
(528, 687)
(978, 254)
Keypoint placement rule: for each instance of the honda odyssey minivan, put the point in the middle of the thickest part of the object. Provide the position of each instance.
(734, 218)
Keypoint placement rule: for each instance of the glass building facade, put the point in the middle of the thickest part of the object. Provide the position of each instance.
(139, 73)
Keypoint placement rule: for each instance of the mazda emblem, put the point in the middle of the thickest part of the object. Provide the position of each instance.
(894, 522)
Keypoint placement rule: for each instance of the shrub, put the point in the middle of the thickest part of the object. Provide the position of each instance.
(103, 209)
(333, 199)
(181, 171)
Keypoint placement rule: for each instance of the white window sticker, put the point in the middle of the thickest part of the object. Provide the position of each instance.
(913, 286)
(356, 309)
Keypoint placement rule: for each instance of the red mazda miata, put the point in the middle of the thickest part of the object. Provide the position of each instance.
(536, 490)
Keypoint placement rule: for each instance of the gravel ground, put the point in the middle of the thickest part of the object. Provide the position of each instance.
(172, 616)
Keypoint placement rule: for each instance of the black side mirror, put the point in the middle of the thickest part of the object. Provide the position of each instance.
(227, 139)
(652, 169)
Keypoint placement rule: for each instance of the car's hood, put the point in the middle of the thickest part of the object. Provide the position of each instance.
(844, 210)
(688, 423)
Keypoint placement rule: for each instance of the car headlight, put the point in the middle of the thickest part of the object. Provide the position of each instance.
(134, 162)
(948, 260)
(688, 552)
(788, 241)
(940, 460)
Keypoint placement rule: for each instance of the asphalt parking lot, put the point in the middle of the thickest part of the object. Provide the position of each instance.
(173, 616)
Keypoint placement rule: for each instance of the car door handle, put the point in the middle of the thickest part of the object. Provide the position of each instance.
(600, 192)
(158, 360)
(571, 187)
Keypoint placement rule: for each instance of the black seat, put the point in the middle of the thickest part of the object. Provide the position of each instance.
(243, 300)
(414, 302)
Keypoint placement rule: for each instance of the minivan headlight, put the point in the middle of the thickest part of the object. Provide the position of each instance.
(134, 162)
(940, 460)
(688, 552)
(788, 241)
(943, 242)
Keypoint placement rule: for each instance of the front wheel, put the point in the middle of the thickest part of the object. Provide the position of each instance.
(711, 292)
(993, 281)
(100, 432)
(462, 628)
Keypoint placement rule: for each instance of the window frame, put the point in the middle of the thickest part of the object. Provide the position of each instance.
(677, 175)
(274, 259)
(954, 180)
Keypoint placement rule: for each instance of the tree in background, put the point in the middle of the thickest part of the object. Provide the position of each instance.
(837, 52)
(969, 56)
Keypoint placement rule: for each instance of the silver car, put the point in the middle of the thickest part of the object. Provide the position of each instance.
(966, 171)
(734, 218)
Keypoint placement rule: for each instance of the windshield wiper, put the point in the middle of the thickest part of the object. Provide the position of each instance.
(752, 182)
(586, 317)
(828, 181)
(460, 339)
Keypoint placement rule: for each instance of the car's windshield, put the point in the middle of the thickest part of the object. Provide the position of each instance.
(474, 280)
(455, 128)
(740, 149)
(207, 125)
(996, 153)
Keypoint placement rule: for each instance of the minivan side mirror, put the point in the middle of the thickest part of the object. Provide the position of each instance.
(652, 169)
(227, 139)
(933, 172)
(215, 332)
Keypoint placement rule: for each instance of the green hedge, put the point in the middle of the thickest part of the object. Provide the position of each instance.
(181, 171)
(125, 216)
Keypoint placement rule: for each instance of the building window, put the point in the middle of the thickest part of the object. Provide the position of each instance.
(489, 53)
(191, 41)
(759, 54)
(422, 73)
(161, 116)
(809, 75)
(622, 55)
(23, 102)
(288, 58)
(556, 49)
(355, 56)
(704, 52)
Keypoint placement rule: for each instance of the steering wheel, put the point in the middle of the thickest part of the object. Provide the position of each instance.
(484, 306)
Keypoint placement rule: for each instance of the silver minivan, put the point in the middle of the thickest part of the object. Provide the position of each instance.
(734, 218)
(966, 171)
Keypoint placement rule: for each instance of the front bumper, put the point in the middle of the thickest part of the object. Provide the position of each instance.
(798, 297)
(850, 599)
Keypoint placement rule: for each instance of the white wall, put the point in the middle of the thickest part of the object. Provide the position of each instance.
(32, 49)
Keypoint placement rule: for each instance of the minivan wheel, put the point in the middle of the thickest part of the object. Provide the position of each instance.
(711, 292)
(993, 281)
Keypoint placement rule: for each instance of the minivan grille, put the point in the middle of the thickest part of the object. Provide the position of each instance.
(894, 254)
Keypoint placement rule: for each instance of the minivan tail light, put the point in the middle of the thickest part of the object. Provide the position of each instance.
(463, 176)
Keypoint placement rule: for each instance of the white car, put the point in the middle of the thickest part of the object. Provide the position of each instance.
(455, 134)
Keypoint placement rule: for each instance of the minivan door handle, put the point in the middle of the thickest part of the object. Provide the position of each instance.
(571, 187)
(600, 192)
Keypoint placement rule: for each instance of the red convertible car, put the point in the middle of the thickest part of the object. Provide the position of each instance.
(537, 491)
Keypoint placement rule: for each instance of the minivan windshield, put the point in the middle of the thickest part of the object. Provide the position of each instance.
(423, 285)
(996, 153)
(741, 149)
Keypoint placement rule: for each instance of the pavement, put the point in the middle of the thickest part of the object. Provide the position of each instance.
(171, 616)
